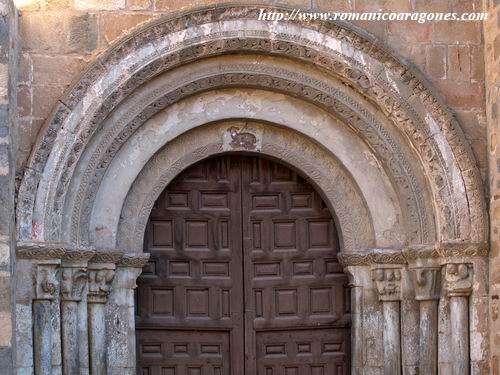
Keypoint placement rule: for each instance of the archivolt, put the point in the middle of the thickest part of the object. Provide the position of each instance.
(414, 119)
(325, 172)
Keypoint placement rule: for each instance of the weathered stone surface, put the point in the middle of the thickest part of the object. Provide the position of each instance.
(83, 33)
(139, 4)
(435, 63)
(55, 70)
(9, 57)
(99, 4)
(117, 26)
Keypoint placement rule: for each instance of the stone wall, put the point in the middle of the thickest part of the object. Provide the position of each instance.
(8, 75)
(61, 37)
(492, 59)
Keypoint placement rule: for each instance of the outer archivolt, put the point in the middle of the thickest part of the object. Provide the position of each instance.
(459, 216)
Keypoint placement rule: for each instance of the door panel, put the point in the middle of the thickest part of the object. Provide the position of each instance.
(243, 276)
(184, 352)
(295, 290)
(302, 352)
(191, 292)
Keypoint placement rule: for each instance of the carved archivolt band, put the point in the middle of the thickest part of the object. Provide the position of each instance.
(347, 203)
(442, 251)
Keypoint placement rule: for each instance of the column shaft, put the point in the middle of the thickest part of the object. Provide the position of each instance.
(459, 313)
(410, 323)
(70, 338)
(42, 336)
(97, 338)
(392, 337)
(458, 286)
(357, 329)
(428, 337)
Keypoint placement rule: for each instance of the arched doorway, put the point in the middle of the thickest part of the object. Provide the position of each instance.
(389, 158)
(243, 277)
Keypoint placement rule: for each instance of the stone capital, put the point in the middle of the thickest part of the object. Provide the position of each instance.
(387, 279)
(457, 279)
(72, 282)
(427, 282)
(101, 272)
(100, 280)
(46, 281)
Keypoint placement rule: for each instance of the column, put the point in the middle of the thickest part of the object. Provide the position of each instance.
(388, 282)
(356, 279)
(46, 293)
(457, 287)
(426, 281)
(121, 313)
(410, 325)
(73, 280)
(101, 271)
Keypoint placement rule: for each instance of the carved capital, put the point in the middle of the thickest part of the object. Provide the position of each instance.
(457, 279)
(72, 283)
(100, 278)
(388, 282)
(101, 271)
(427, 283)
(46, 282)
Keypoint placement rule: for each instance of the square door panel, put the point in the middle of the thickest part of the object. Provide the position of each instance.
(196, 234)
(285, 234)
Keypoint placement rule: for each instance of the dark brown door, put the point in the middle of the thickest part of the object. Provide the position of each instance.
(243, 277)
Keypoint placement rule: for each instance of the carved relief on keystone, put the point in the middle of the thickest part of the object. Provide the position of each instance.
(242, 137)
(427, 282)
(46, 283)
(457, 279)
(388, 283)
(100, 285)
(72, 283)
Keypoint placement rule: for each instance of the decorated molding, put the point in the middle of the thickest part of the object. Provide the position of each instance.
(40, 250)
(388, 282)
(72, 283)
(133, 261)
(458, 279)
(46, 282)
(52, 250)
(106, 257)
(420, 252)
(427, 283)
(78, 255)
(463, 249)
(441, 253)
(376, 256)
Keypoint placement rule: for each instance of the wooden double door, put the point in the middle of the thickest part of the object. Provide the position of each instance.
(243, 277)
